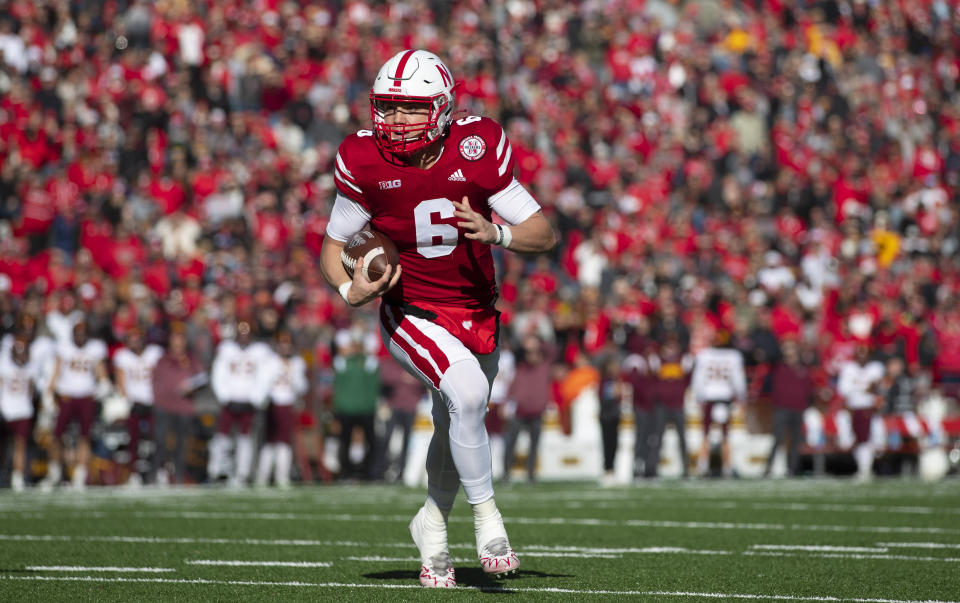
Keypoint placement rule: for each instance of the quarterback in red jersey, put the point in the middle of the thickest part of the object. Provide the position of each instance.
(432, 184)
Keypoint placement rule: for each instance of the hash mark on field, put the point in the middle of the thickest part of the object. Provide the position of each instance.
(85, 568)
(495, 589)
(225, 562)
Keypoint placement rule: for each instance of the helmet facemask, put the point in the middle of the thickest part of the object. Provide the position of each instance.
(404, 139)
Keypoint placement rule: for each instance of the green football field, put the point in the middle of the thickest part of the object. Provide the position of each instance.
(886, 541)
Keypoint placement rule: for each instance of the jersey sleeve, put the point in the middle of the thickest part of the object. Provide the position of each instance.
(99, 350)
(346, 218)
(120, 359)
(348, 183)
(500, 163)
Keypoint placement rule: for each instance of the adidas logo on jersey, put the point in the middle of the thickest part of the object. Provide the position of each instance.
(457, 176)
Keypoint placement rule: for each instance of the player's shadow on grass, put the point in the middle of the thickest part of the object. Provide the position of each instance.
(470, 577)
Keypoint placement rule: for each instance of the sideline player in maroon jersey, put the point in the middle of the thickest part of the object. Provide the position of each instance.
(431, 184)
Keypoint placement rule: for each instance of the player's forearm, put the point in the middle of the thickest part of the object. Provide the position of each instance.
(533, 235)
(330, 265)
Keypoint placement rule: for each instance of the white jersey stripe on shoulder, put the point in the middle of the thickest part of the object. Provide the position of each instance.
(343, 168)
(503, 141)
(505, 162)
(347, 182)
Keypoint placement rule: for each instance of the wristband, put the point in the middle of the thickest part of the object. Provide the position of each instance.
(344, 290)
(504, 236)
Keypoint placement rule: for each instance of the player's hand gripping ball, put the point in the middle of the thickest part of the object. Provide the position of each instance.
(376, 250)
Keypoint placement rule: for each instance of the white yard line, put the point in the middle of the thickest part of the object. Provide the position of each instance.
(565, 591)
(95, 568)
(238, 563)
(818, 548)
(559, 521)
(920, 545)
(850, 556)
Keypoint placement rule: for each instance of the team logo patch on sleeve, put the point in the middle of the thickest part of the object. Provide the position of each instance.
(472, 148)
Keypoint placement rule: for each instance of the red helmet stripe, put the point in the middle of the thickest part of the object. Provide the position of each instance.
(398, 75)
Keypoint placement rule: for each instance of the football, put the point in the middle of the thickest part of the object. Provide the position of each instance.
(376, 250)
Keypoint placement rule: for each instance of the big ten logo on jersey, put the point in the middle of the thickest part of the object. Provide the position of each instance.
(386, 185)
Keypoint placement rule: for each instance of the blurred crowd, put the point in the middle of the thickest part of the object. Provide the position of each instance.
(773, 171)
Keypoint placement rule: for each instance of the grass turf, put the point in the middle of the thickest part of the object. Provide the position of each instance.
(663, 541)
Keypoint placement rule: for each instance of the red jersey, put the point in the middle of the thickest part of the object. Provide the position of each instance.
(414, 208)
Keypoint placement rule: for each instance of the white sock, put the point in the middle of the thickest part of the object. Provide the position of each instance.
(434, 513)
(218, 452)
(79, 476)
(863, 454)
(16, 481)
(54, 472)
(284, 459)
(487, 523)
(265, 464)
(432, 531)
(244, 457)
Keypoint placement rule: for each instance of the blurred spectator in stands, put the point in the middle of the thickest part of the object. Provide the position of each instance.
(791, 390)
(402, 393)
(671, 370)
(529, 395)
(859, 385)
(356, 389)
(176, 378)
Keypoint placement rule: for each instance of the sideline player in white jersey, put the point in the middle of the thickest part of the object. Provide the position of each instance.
(431, 184)
(858, 384)
(133, 367)
(79, 374)
(42, 355)
(237, 379)
(718, 382)
(286, 380)
(18, 377)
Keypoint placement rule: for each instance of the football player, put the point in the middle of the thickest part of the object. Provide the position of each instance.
(287, 382)
(718, 382)
(431, 183)
(79, 376)
(133, 370)
(18, 377)
(858, 384)
(237, 377)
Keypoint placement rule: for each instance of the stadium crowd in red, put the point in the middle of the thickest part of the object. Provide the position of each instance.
(773, 169)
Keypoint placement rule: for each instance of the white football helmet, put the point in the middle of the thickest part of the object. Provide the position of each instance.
(412, 77)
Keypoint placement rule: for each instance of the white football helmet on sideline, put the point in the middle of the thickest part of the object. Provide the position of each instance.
(412, 77)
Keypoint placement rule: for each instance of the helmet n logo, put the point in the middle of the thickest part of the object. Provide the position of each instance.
(447, 78)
